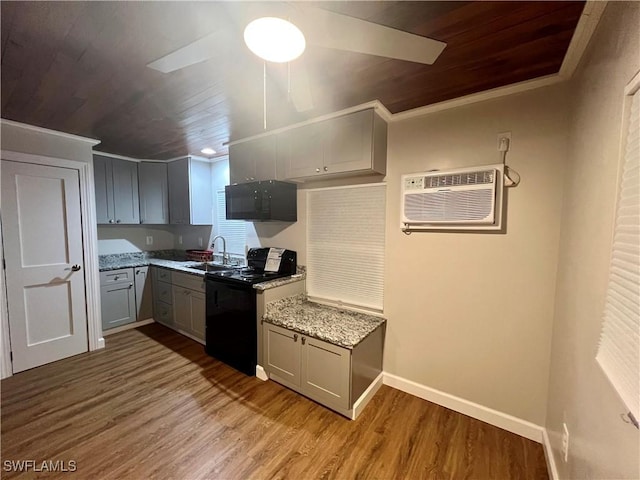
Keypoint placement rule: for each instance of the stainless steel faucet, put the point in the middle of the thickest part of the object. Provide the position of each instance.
(224, 248)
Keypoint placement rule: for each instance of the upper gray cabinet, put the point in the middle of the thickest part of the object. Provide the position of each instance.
(190, 192)
(116, 186)
(352, 144)
(154, 193)
(254, 160)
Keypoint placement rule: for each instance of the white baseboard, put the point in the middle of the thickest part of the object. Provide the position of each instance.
(552, 468)
(261, 373)
(126, 327)
(366, 396)
(493, 417)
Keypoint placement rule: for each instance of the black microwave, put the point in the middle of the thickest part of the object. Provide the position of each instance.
(269, 200)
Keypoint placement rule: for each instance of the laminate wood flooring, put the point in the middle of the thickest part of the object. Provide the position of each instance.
(152, 404)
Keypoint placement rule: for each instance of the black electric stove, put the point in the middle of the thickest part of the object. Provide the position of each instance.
(231, 329)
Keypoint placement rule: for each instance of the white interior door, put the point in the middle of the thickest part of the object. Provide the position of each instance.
(41, 229)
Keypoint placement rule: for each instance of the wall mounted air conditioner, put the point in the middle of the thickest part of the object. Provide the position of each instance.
(459, 199)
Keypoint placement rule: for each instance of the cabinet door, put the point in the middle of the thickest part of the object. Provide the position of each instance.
(118, 303)
(282, 355)
(253, 160)
(198, 314)
(144, 301)
(326, 370)
(301, 150)
(348, 143)
(163, 313)
(103, 179)
(154, 193)
(181, 308)
(178, 180)
(125, 192)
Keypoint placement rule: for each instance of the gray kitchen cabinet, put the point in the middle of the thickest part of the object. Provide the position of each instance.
(116, 187)
(144, 294)
(352, 144)
(154, 193)
(162, 296)
(117, 298)
(180, 302)
(190, 192)
(254, 160)
(316, 369)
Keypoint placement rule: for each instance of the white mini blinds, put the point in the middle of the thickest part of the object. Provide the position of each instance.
(345, 242)
(618, 353)
(233, 231)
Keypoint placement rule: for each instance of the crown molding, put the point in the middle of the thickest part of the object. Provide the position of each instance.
(33, 128)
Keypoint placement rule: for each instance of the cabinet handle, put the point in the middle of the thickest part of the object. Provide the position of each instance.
(317, 170)
(295, 337)
(115, 279)
(110, 221)
(118, 221)
(302, 340)
(130, 285)
(326, 169)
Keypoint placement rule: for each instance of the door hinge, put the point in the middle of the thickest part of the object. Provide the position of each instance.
(11, 356)
(4, 264)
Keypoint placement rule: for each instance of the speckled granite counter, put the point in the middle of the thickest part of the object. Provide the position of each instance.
(176, 260)
(340, 327)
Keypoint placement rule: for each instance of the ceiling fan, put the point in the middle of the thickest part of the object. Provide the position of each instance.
(321, 28)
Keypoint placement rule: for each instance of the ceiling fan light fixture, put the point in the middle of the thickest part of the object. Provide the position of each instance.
(274, 39)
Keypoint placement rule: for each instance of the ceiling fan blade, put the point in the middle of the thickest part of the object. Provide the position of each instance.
(334, 30)
(195, 52)
(300, 91)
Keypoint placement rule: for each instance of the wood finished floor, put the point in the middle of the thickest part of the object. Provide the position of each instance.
(154, 405)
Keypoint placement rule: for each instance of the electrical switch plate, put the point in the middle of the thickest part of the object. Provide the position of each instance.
(502, 135)
(565, 442)
(180, 239)
(149, 240)
(200, 243)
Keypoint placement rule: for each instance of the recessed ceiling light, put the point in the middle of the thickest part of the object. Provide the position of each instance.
(274, 39)
(208, 151)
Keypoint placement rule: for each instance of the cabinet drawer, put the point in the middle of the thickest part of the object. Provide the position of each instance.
(162, 274)
(162, 293)
(163, 313)
(192, 282)
(116, 276)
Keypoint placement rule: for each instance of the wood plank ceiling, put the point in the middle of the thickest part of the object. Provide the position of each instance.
(80, 67)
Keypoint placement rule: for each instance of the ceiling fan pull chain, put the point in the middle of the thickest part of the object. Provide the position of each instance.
(264, 94)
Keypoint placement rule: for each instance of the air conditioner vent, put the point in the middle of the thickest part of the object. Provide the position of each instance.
(469, 178)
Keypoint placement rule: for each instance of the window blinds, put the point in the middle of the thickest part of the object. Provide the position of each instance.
(345, 242)
(233, 231)
(618, 352)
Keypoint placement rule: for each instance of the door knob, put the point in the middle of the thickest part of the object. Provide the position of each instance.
(75, 268)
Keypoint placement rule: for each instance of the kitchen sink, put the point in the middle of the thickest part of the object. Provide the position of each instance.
(208, 267)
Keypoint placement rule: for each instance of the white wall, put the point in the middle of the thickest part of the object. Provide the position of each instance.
(132, 238)
(470, 314)
(601, 445)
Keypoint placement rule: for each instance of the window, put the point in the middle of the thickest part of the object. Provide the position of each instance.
(618, 352)
(345, 242)
(233, 231)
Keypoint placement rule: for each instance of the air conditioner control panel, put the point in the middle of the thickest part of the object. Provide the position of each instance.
(414, 183)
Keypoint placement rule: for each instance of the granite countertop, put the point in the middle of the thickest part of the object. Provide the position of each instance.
(176, 260)
(334, 325)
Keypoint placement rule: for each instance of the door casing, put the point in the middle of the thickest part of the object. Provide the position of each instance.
(90, 247)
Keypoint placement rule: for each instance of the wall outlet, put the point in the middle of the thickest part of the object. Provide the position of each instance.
(200, 242)
(504, 141)
(179, 239)
(149, 240)
(565, 442)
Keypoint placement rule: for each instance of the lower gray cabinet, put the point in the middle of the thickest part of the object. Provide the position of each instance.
(317, 369)
(144, 295)
(118, 298)
(180, 302)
